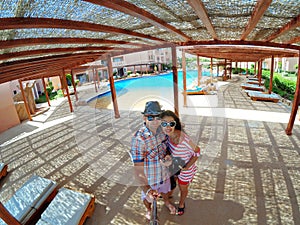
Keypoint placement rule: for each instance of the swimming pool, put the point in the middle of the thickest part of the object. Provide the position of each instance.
(132, 93)
(158, 82)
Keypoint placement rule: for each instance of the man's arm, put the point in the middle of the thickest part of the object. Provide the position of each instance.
(142, 179)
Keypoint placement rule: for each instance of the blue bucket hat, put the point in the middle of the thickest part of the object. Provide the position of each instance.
(152, 108)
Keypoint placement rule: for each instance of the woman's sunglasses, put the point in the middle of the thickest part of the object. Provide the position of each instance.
(151, 118)
(171, 124)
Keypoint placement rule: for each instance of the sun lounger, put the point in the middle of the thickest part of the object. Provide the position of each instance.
(28, 201)
(252, 78)
(255, 82)
(68, 208)
(248, 91)
(255, 95)
(253, 87)
(3, 170)
(196, 91)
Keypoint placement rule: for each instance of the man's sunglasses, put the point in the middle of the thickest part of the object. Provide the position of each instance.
(171, 124)
(151, 118)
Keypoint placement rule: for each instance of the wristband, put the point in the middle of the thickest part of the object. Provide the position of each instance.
(197, 154)
(147, 192)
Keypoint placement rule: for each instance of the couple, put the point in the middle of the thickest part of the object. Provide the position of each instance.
(149, 150)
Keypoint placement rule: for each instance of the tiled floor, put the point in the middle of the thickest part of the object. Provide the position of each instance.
(249, 172)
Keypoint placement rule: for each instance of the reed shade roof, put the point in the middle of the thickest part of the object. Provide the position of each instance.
(43, 37)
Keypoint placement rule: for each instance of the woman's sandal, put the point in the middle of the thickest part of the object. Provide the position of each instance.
(180, 211)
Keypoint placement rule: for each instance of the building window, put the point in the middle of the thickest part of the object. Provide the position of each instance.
(118, 59)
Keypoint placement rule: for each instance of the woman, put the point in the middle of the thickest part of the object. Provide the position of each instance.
(180, 145)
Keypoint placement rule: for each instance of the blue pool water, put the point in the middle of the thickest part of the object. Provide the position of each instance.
(158, 82)
(132, 93)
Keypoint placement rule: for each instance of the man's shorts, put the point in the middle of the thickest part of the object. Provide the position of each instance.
(165, 187)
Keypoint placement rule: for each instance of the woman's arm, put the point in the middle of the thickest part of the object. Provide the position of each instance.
(195, 157)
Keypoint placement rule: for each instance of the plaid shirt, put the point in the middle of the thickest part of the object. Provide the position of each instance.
(149, 148)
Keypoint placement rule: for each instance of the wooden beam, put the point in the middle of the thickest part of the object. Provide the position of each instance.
(259, 9)
(294, 23)
(133, 10)
(292, 41)
(237, 42)
(55, 40)
(28, 23)
(201, 12)
(52, 51)
(37, 70)
(4, 67)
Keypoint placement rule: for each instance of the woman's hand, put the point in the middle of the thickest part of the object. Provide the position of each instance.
(167, 161)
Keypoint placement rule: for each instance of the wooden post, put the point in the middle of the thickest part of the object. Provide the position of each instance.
(74, 85)
(225, 74)
(64, 78)
(199, 70)
(259, 71)
(230, 70)
(211, 69)
(175, 79)
(255, 68)
(25, 100)
(94, 78)
(45, 90)
(97, 76)
(184, 78)
(296, 103)
(112, 87)
(271, 75)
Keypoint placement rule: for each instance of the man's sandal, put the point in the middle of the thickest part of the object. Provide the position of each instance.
(171, 208)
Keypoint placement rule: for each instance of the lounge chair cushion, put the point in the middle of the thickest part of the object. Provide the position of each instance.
(252, 87)
(29, 197)
(264, 96)
(2, 166)
(66, 208)
(195, 89)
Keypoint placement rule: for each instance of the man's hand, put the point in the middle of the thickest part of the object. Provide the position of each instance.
(152, 194)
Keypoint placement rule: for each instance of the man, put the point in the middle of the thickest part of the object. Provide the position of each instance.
(148, 149)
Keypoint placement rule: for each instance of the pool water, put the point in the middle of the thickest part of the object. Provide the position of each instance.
(132, 93)
(159, 81)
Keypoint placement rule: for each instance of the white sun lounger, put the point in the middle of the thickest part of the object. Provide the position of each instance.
(252, 87)
(256, 95)
(68, 208)
(28, 201)
(255, 82)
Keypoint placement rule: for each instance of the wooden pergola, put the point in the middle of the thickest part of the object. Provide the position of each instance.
(40, 40)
